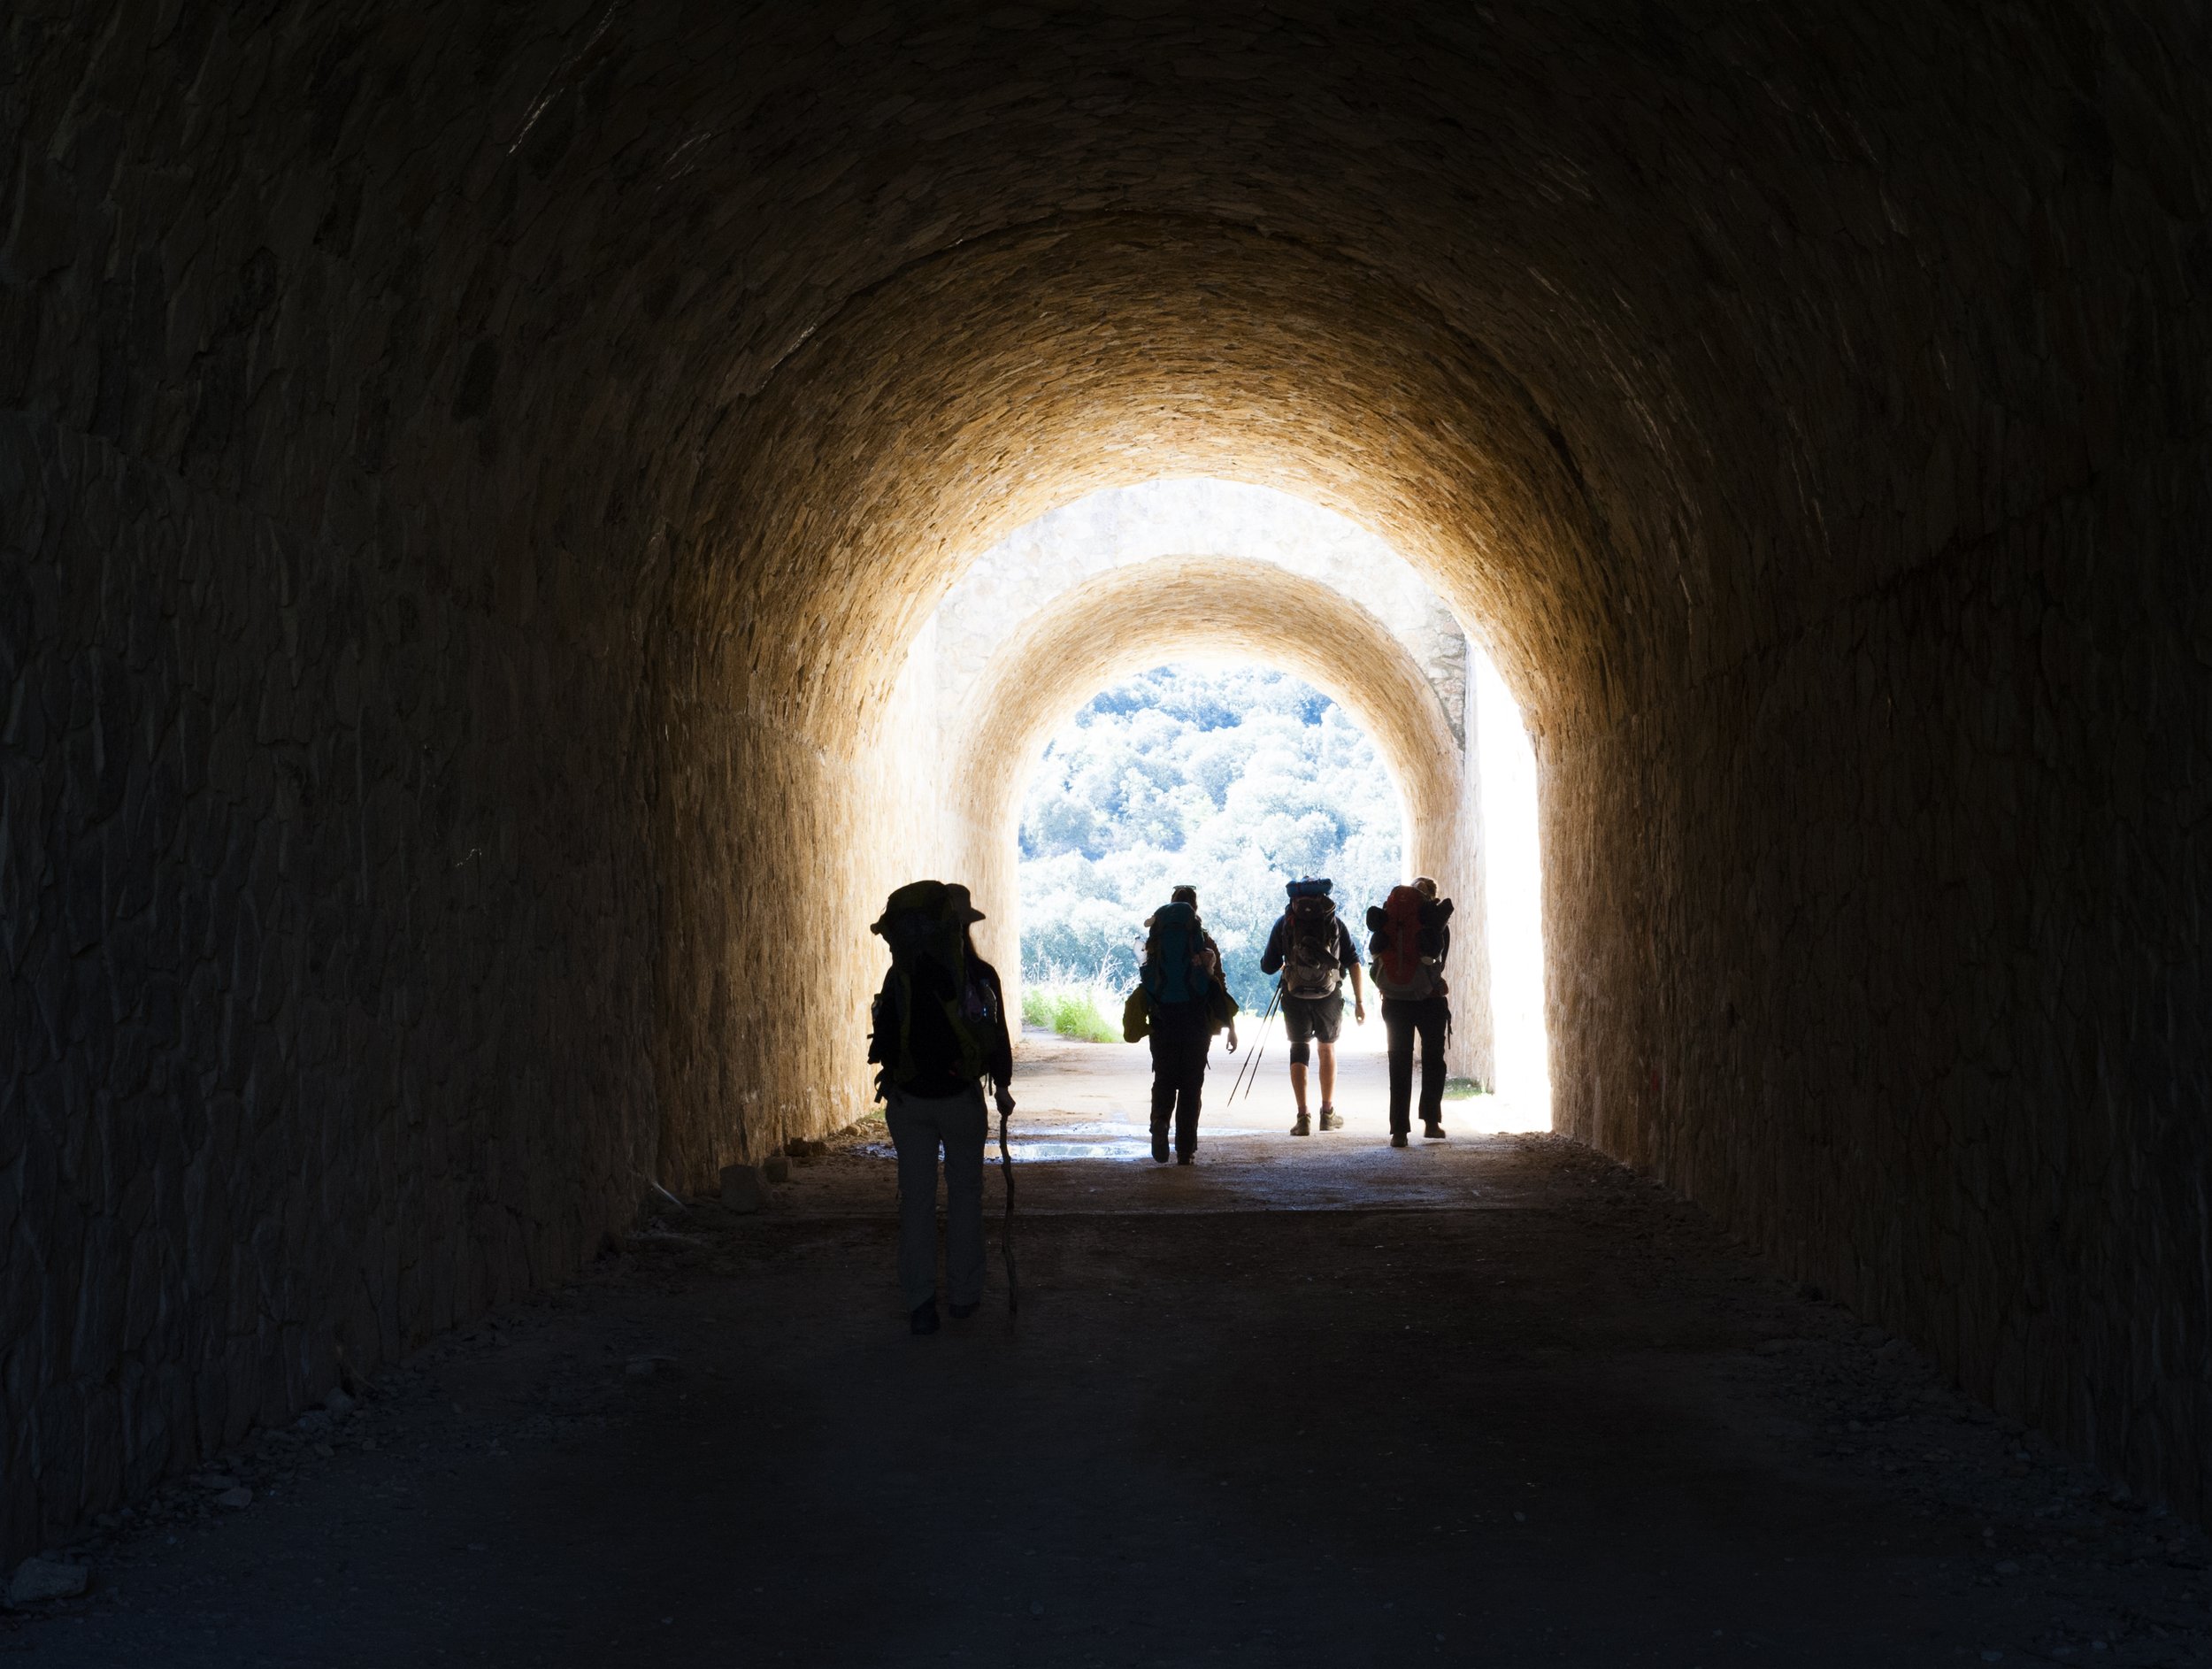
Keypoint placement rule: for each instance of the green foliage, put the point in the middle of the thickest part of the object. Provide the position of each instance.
(1233, 779)
(1072, 1010)
(1462, 1089)
(1075, 1014)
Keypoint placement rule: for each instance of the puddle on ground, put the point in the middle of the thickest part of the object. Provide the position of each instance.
(1039, 1150)
(1034, 1152)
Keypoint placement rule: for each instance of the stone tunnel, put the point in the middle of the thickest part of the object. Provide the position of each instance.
(473, 479)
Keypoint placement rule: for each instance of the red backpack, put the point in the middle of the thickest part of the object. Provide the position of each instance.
(1403, 949)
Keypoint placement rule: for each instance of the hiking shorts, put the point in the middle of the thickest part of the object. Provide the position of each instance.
(1309, 1020)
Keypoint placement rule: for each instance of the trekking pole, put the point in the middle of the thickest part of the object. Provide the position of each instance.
(1006, 1234)
(1254, 1081)
(1252, 1061)
(1252, 1055)
(1238, 1082)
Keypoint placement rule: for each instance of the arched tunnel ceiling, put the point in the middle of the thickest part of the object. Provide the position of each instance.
(1491, 284)
(1172, 521)
(980, 391)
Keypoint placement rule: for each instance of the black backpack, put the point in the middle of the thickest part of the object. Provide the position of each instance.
(929, 991)
(1310, 967)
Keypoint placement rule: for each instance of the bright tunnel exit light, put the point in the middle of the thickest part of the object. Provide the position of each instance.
(1514, 889)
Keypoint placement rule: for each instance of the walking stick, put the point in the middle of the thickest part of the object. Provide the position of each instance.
(1006, 1234)
(1253, 1082)
(1251, 1061)
(1258, 1043)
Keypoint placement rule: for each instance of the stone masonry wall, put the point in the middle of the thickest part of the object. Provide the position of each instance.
(287, 926)
(1024, 573)
(1950, 982)
(325, 1001)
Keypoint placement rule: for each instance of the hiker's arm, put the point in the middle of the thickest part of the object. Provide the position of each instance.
(1001, 1067)
(875, 1027)
(1359, 995)
(1000, 1046)
(881, 1023)
(1272, 959)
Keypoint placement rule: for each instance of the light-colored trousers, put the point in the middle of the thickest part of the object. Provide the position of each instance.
(920, 1125)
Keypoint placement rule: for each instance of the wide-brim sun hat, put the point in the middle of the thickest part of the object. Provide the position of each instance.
(928, 898)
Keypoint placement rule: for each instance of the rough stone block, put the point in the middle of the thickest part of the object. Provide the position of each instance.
(742, 1188)
(36, 1582)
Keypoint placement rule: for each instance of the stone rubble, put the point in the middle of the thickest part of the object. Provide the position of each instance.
(37, 1581)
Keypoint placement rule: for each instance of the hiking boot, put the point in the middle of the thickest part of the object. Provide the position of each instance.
(1303, 1127)
(1331, 1120)
(962, 1312)
(1159, 1147)
(1397, 1138)
(923, 1316)
(1432, 1130)
(1185, 1158)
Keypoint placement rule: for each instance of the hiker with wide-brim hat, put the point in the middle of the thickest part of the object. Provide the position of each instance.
(938, 1029)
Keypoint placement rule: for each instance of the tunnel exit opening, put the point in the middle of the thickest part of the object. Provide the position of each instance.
(1226, 775)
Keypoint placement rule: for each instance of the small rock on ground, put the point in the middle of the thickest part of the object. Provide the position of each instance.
(37, 1581)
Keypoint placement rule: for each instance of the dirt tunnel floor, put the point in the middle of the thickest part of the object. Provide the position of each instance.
(1501, 1403)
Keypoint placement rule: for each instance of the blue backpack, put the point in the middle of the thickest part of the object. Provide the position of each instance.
(1174, 952)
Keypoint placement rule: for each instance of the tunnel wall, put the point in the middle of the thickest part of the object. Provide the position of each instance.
(1471, 1050)
(1913, 909)
(290, 915)
(776, 851)
(326, 999)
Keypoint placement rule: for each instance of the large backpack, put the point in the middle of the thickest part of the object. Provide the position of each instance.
(1174, 968)
(1407, 946)
(1311, 968)
(929, 987)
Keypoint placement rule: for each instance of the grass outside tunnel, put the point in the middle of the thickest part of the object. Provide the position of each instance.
(1072, 1010)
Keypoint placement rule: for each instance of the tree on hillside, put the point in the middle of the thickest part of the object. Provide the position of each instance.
(1233, 778)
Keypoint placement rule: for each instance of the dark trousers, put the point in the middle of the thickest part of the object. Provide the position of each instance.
(1180, 1037)
(1427, 1018)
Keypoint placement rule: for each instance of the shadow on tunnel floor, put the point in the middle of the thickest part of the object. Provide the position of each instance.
(1578, 1428)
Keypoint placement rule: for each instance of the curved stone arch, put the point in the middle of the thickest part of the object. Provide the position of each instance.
(1131, 618)
(1176, 518)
